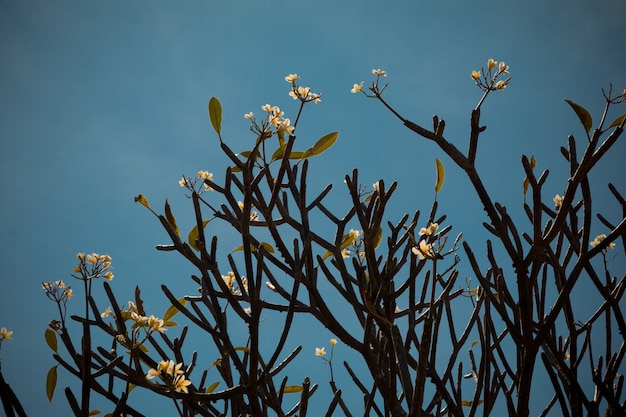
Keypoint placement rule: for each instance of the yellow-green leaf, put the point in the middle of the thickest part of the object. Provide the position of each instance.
(441, 174)
(292, 389)
(267, 247)
(533, 163)
(51, 382)
(142, 199)
(51, 339)
(583, 115)
(193, 235)
(322, 144)
(618, 121)
(470, 403)
(346, 240)
(475, 342)
(171, 220)
(169, 323)
(212, 387)
(94, 412)
(173, 310)
(215, 114)
(243, 349)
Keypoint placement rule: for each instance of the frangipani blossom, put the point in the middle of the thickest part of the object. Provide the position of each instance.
(424, 250)
(430, 230)
(320, 351)
(379, 72)
(357, 87)
(5, 334)
(292, 78)
(181, 384)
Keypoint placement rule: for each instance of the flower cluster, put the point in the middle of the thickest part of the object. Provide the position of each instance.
(273, 122)
(93, 266)
(558, 202)
(172, 374)
(204, 176)
(230, 282)
(57, 291)
(303, 94)
(359, 87)
(488, 81)
(254, 216)
(351, 243)
(425, 249)
(599, 239)
(322, 351)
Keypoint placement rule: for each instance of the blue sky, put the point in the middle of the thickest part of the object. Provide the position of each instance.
(102, 101)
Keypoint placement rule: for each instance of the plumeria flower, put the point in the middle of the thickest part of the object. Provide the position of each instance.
(345, 253)
(430, 230)
(292, 78)
(320, 351)
(205, 175)
(379, 72)
(156, 324)
(424, 250)
(500, 85)
(5, 334)
(106, 313)
(181, 384)
(503, 68)
(491, 64)
(558, 201)
(357, 88)
(182, 182)
(475, 75)
(249, 115)
(599, 239)
(333, 342)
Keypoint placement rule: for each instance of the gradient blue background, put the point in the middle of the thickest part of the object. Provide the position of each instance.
(101, 101)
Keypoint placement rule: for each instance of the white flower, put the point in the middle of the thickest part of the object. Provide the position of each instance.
(292, 78)
(320, 351)
(379, 72)
(357, 88)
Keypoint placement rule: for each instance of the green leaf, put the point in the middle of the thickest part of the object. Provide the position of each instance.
(173, 310)
(618, 121)
(51, 382)
(51, 339)
(441, 174)
(193, 235)
(215, 114)
(292, 389)
(170, 218)
(475, 342)
(346, 240)
(211, 387)
(583, 115)
(267, 247)
(322, 144)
